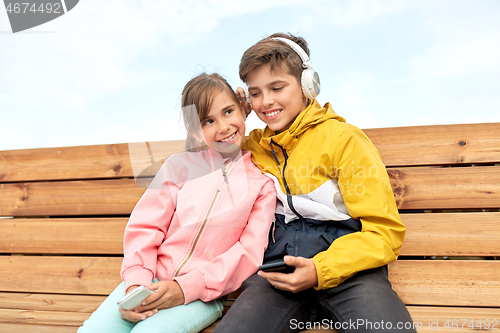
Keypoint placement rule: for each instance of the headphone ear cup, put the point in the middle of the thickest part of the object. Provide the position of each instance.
(247, 96)
(311, 85)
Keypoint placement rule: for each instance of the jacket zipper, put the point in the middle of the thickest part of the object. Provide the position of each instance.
(288, 195)
(198, 235)
(225, 171)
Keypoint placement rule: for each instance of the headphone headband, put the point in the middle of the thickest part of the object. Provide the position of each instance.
(310, 83)
(306, 62)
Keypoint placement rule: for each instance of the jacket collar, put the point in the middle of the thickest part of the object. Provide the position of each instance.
(215, 160)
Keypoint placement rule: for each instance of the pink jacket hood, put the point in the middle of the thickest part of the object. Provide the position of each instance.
(203, 222)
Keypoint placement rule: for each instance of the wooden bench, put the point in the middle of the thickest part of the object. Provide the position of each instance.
(64, 211)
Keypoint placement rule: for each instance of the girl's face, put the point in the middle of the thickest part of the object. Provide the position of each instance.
(224, 124)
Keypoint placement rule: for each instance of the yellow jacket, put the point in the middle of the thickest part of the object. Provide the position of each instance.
(333, 173)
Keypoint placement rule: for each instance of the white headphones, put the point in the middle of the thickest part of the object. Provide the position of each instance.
(309, 80)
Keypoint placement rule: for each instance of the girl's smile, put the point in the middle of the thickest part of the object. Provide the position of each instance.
(224, 123)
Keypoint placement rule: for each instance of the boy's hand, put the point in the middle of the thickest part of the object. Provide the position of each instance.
(240, 92)
(304, 276)
(167, 295)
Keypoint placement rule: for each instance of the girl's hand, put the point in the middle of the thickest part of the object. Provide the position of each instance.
(132, 315)
(167, 295)
(247, 107)
(304, 276)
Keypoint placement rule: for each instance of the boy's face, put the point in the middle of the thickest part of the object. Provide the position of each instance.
(277, 97)
(224, 126)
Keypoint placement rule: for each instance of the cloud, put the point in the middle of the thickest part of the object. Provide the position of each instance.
(106, 46)
(15, 139)
(355, 101)
(348, 13)
(476, 56)
(67, 78)
(55, 75)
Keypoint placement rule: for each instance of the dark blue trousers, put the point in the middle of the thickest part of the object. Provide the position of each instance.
(365, 302)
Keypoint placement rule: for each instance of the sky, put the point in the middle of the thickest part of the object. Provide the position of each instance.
(113, 71)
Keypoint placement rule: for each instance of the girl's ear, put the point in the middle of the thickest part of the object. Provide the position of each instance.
(243, 113)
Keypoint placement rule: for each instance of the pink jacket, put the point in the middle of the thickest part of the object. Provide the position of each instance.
(203, 222)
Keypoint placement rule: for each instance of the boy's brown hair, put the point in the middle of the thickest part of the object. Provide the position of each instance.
(276, 53)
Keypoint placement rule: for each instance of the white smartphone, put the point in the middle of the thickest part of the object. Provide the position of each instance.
(134, 299)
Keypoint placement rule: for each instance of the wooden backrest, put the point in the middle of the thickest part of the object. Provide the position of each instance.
(65, 210)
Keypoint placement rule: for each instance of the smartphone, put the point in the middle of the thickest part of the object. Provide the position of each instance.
(134, 298)
(277, 266)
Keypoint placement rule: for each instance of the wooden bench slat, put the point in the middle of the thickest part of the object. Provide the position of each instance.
(446, 188)
(93, 197)
(82, 162)
(30, 328)
(425, 318)
(43, 317)
(435, 318)
(414, 188)
(447, 282)
(417, 282)
(444, 329)
(50, 302)
(442, 234)
(61, 236)
(60, 274)
(399, 146)
(437, 144)
(452, 234)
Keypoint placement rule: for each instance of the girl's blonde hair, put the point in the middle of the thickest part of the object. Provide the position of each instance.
(199, 93)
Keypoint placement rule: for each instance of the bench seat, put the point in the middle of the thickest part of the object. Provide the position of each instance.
(63, 212)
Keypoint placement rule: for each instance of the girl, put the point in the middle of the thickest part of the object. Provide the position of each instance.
(201, 227)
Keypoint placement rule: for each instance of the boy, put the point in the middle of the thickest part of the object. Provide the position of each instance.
(336, 220)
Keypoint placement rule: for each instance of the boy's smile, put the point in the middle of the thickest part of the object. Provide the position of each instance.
(276, 97)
